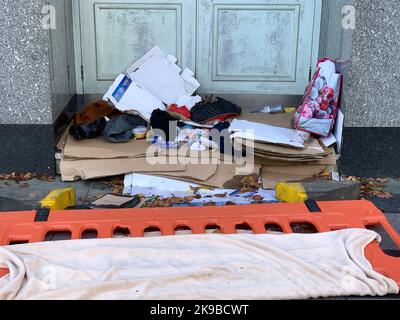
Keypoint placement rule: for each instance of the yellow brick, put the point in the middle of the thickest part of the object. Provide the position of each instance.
(290, 192)
(59, 199)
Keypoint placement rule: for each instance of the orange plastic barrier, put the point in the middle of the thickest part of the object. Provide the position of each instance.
(20, 227)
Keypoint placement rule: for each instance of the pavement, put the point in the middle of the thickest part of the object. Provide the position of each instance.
(25, 195)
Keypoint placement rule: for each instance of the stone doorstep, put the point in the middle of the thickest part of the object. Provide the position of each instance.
(321, 190)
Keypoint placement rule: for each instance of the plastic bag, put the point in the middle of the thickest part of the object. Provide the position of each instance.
(318, 110)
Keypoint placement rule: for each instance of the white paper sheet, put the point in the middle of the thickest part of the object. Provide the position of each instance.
(126, 95)
(338, 131)
(269, 134)
(160, 75)
(328, 141)
(188, 101)
(337, 135)
(149, 186)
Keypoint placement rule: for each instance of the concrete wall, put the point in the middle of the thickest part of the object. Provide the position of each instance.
(374, 95)
(24, 73)
(370, 93)
(37, 80)
(372, 126)
(37, 74)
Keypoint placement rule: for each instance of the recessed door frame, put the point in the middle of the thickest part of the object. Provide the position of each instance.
(79, 53)
(77, 46)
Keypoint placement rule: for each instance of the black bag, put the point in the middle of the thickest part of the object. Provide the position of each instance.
(88, 131)
(161, 120)
(120, 128)
(214, 108)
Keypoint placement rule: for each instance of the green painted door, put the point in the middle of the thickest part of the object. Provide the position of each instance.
(257, 46)
(234, 46)
(115, 33)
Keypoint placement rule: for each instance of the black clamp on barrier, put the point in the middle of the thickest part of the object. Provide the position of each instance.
(42, 215)
(312, 206)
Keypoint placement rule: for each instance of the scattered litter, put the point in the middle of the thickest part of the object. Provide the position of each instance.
(214, 109)
(270, 109)
(127, 95)
(179, 113)
(140, 133)
(152, 128)
(18, 177)
(116, 183)
(93, 112)
(318, 111)
(312, 151)
(335, 176)
(150, 83)
(59, 199)
(328, 141)
(112, 201)
(148, 186)
(170, 192)
(201, 198)
(187, 101)
(272, 175)
(268, 134)
(160, 75)
(338, 130)
(121, 129)
(372, 187)
(250, 183)
(87, 169)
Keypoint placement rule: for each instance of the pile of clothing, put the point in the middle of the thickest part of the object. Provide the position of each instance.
(100, 118)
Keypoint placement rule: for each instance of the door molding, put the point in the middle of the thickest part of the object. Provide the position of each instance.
(181, 13)
(316, 35)
(223, 72)
(76, 18)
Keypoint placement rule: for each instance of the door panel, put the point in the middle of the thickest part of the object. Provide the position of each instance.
(116, 33)
(235, 46)
(256, 46)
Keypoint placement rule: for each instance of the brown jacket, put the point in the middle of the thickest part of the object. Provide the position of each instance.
(95, 111)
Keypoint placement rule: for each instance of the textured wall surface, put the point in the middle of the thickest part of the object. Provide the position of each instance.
(24, 58)
(374, 93)
(37, 66)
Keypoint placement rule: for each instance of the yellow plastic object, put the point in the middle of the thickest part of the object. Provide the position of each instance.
(291, 192)
(290, 109)
(60, 199)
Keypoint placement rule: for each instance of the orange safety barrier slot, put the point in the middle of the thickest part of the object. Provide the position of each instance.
(20, 227)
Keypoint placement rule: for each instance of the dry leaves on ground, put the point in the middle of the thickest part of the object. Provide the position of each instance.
(250, 183)
(18, 177)
(372, 187)
(257, 198)
(116, 183)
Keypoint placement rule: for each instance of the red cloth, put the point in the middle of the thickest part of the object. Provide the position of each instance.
(182, 112)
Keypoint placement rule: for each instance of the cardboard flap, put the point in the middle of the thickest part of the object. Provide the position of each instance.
(100, 148)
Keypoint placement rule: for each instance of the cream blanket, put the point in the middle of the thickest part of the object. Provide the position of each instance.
(195, 267)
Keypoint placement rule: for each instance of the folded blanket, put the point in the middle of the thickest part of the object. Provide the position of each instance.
(196, 267)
